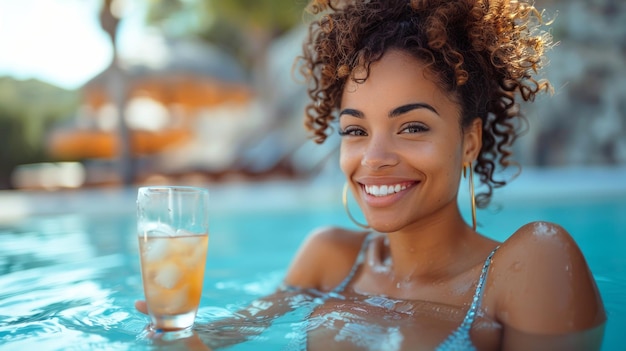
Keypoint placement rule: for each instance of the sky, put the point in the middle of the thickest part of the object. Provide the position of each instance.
(56, 41)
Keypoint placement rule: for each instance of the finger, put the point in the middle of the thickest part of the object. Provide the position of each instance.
(141, 306)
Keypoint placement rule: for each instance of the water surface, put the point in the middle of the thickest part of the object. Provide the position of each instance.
(68, 279)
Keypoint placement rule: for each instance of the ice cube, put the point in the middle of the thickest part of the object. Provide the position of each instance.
(157, 229)
(155, 250)
(167, 276)
(167, 301)
(178, 300)
(197, 252)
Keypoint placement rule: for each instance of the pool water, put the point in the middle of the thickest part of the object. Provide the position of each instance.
(69, 273)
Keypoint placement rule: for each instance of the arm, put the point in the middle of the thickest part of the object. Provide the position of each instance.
(547, 298)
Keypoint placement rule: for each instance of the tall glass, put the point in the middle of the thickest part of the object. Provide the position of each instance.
(173, 233)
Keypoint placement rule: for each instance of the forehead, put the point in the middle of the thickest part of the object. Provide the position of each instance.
(397, 78)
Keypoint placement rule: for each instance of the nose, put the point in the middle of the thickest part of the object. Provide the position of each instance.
(378, 154)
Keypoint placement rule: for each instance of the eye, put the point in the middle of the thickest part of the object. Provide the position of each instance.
(414, 127)
(352, 131)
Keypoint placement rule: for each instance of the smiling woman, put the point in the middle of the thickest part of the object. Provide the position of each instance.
(423, 92)
(401, 130)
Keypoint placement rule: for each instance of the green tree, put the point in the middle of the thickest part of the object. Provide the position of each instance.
(27, 110)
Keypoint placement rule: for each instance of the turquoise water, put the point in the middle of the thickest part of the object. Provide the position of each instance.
(69, 278)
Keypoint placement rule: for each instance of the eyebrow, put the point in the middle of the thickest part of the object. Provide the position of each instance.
(395, 112)
(409, 107)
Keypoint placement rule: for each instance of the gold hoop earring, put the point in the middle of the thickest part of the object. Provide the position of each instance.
(345, 206)
(471, 190)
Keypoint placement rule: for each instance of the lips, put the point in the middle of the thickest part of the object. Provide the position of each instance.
(383, 193)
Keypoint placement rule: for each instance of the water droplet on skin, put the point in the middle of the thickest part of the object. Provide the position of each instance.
(544, 229)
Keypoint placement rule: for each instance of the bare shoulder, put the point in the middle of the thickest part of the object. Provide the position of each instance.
(325, 258)
(544, 284)
(549, 238)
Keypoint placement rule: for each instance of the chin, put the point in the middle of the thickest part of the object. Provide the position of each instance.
(385, 227)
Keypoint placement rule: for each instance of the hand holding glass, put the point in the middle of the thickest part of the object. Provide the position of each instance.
(172, 224)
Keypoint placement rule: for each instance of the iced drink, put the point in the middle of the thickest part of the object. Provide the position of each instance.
(173, 242)
(172, 273)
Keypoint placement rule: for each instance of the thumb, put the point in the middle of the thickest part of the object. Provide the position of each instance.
(141, 306)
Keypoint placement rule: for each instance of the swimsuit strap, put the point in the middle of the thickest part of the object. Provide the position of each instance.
(478, 294)
(355, 267)
(460, 338)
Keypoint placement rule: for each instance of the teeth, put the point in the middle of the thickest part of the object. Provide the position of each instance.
(384, 190)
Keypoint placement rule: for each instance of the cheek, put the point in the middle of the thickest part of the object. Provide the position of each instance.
(451, 168)
(428, 155)
(441, 160)
(448, 152)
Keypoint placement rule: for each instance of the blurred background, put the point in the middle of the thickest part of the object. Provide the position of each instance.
(107, 93)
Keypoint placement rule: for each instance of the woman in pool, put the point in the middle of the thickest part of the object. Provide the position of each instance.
(424, 92)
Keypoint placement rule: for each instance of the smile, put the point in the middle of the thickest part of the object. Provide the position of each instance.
(384, 190)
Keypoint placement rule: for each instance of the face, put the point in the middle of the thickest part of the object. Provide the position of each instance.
(402, 147)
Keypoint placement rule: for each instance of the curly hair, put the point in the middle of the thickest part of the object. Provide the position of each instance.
(487, 53)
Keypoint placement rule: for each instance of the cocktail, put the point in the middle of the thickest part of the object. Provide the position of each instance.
(172, 223)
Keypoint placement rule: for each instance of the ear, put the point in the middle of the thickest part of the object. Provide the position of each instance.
(472, 140)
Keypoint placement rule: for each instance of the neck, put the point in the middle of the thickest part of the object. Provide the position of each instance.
(425, 251)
